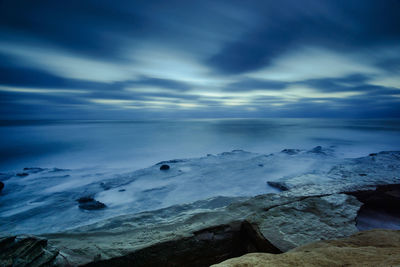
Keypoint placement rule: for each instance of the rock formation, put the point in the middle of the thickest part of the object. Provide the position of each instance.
(315, 206)
(369, 248)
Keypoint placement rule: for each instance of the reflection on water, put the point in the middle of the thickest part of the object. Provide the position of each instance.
(137, 144)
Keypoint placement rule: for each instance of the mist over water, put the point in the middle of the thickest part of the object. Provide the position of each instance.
(99, 159)
(138, 144)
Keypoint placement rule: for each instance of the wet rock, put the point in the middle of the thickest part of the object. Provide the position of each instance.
(122, 190)
(28, 251)
(92, 205)
(89, 203)
(22, 174)
(278, 185)
(380, 209)
(1, 186)
(373, 154)
(85, 199)
(164, 167)
(369, 248)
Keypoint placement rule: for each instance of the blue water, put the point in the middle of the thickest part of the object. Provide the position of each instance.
(138, 144)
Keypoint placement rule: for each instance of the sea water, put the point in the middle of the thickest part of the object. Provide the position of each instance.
(138, 144)
(105, 159)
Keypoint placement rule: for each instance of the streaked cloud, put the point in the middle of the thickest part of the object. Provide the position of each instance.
(227, 58)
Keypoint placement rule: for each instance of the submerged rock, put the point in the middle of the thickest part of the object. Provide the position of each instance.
(369, 248)
(164, 167)
(89, 203)
(92, 205)
(85, 199)
(1, 185)
(22, 174)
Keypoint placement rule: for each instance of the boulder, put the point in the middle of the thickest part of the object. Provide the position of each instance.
(164, 167)
(369, 248)
(89, 203)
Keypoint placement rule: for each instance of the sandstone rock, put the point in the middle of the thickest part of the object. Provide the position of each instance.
(369, 248)
(309, 219)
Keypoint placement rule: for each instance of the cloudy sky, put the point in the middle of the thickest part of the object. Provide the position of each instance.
(125, 59)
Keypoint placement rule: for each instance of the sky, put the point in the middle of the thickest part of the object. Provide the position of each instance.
(125, 59)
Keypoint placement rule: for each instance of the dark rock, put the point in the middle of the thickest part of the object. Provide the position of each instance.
(373, 154)
(362, 174)
(206, 247)
(380, 209)
(22, 174)
(1, 186)
(92, 205)
(85, 199)
(28, 251)
(89, 203)
(260, 165)
(277, 185)
(121, 190)
(164, 167)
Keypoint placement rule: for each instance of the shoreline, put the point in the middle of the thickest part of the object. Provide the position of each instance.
(314, 207)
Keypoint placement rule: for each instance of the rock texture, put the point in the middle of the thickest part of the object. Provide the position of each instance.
(316, 206)
(28, 251)
(369, 248)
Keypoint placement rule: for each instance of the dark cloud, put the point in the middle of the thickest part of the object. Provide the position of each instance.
(341, 25)
(198, 53)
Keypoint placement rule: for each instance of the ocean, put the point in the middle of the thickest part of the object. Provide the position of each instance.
(114, 162)
(132, 145)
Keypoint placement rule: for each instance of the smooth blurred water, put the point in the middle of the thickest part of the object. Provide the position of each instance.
(138, 144)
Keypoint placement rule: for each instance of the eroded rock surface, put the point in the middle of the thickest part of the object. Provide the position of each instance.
(369, 248)
(315, 206)
(28, 251)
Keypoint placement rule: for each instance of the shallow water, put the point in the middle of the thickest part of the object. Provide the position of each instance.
(98, 158)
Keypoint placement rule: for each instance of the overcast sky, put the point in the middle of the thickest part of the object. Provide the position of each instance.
(125, 59)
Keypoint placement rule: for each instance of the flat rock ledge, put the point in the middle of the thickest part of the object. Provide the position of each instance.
(194, 235)
(368, 248)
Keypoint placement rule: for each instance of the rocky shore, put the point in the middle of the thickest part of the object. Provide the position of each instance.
(333, 202)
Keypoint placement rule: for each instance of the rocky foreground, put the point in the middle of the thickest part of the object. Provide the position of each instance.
(369, 248)
(333, 202)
